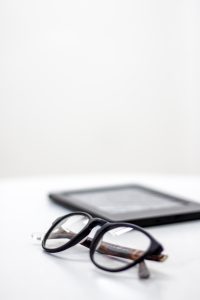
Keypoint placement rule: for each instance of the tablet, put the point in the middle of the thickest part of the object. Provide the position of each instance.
(129, 203)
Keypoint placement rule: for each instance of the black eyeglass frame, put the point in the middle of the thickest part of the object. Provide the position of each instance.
(155, 248)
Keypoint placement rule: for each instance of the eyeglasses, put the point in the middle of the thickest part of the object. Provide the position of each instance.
(115, 246)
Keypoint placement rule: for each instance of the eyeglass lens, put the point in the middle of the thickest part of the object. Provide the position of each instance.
(65, 230)
(120, 247)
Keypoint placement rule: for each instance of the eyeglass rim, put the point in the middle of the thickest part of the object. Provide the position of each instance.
(71, 242)
(153, 246)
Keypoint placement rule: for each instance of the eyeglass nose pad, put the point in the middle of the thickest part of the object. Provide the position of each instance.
(91, 234)
(84, 239)
(37, 236)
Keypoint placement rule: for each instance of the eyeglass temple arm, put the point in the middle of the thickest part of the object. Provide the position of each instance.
(125, 252)
(111, 249)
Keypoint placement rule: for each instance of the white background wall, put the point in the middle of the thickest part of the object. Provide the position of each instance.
(99, 86)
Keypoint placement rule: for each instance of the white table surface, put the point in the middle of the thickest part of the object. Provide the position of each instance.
(27, 272)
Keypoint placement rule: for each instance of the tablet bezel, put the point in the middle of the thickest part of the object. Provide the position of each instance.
(189, 210)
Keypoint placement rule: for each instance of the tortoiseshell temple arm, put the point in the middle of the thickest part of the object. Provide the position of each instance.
(110, 249)
(133, 254)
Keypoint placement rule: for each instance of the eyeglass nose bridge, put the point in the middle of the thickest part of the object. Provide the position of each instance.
(87, 240)
(83, 235)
